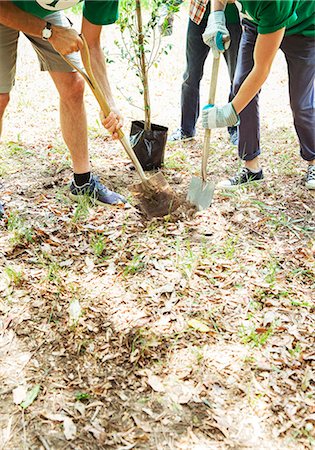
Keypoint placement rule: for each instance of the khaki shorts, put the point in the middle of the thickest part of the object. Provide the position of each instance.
(49, 59)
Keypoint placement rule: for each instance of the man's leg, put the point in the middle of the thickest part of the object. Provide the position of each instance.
(300, 56)
(8, 46)
(249, 128)
(73, 118)
(196, 54)
(4, 100)
(8, 49)
(74, 130)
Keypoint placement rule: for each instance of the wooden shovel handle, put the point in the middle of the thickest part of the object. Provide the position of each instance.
(89, 77)
(211, 99)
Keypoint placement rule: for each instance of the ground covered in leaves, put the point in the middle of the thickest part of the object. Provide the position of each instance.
(189, 332)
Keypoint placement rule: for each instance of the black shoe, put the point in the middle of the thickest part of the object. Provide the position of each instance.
(233, 132)
(179, 136)
(1, 210)
(97, 192)
(310, 177)
(243, 177)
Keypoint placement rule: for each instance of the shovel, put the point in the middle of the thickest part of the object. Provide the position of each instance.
(154, 194)
(200, 191)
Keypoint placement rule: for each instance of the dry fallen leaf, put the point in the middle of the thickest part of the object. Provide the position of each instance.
(199, 326)
(69, 428)
(156, 383)
(19, 394)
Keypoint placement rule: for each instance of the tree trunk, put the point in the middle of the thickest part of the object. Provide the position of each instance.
(144, 70)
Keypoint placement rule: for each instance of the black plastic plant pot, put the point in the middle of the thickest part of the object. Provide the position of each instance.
(149, 146)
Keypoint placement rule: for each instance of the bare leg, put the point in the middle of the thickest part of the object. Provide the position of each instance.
(4, 100)
(70, 86)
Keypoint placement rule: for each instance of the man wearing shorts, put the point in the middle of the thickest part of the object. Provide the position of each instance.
(50, 33)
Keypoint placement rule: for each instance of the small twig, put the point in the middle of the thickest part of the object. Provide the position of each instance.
(24, 430)
(128, 100)
(44, 442)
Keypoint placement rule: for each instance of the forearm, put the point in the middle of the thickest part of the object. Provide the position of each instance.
(265, 51)
(249, 88)
(13, 17)
(92, 34)
(100, 72)
(218, 5)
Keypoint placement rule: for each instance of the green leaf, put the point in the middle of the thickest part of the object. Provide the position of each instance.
(31, 396)
(82, 396)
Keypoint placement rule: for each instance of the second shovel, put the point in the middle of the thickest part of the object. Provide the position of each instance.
(200, 192)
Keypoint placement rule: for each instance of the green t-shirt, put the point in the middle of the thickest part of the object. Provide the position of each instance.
(297, 16)
(98, 12)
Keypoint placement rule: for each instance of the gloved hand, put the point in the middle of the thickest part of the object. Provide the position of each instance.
(165, 23)
(216, 34)
(218, 117)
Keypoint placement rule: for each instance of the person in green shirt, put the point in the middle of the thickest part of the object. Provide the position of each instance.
(43, 22)
(268, 26)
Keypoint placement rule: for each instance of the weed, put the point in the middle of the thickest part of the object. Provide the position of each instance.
(21, 232)
(177, 160)
(82, 209)
(249, 335)
(278, 219)
(295, 350)
(271, 270)
(186, 258)
(14, 148)
(98, 244)
(81, 396)
(303, 304)
(53, 272)
(250, 360)
(136, 264)
(229, 247)
(14, 276)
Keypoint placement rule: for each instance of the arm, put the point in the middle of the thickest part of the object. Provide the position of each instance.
(265, 51)
(92, 34)
(64, 40)
(13, 17)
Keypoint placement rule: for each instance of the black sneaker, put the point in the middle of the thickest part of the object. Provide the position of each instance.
(310, 177)
(179, 136)
(233, 132)
(243, 177)
(1, 210)
(97, 192)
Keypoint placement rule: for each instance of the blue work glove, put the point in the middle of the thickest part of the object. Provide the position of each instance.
(219, 116)
(216, 34)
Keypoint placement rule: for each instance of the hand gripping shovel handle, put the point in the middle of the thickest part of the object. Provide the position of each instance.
(91, 81)
(211, 99)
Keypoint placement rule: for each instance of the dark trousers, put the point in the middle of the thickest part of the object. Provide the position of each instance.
(300, 57)
(196, 54)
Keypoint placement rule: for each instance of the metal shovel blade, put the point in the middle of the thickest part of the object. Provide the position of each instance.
(200, 193)
(156, 197)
